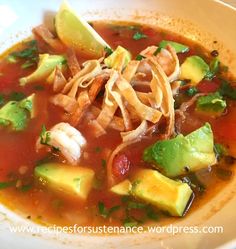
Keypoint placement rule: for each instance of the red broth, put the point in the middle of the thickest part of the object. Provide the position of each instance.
(19, 157)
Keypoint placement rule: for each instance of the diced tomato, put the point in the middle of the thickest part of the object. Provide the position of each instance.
(121, 166)
(206, 86)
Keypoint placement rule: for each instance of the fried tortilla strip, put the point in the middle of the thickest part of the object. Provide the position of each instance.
(67, 103)
(59, 81)
(72, 61)
(86, 98)
(83, 103)
(43, 32)
(117, 123)
(96, 128)
(134, 134)
(130, 70)
(167, 105)
(83, 78)
(145, 112)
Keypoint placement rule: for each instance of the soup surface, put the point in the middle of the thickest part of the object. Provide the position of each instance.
(44, 200)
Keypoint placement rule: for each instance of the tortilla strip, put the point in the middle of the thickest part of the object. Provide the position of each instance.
(67, 103)
(175, 74)
(96, 86)
(130, 70)
(134, 134)
(96, 128)
(86, 98)
(144, 111)
(83, 78)
(84, 102)
(112, 90)
(72, 61)
(167, 105)
(157, 90)
(43, 32)
(175, 86)
(59, 80)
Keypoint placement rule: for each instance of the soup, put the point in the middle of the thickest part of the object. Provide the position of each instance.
(137, 131)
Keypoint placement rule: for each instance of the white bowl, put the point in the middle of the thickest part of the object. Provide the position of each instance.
(203, 21)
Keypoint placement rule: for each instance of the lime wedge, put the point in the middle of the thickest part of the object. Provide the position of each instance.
(76, 33)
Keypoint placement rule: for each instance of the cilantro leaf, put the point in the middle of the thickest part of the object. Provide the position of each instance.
(227, 90)
(105, 212)
(44, 136)
(214, 69)
(108, 51)
(138, 35)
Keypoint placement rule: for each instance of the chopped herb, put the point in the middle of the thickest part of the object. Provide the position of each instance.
(27, 64)
(2, 99)
(227, 90)
(105, 212)
(135, 205)
(158, 50)
(38, 88)
(151, 214)
(140, 57)
(11, 59)
(184, 82)
(97, 149)
(44, 136)
(104, 163)
(138, 35)
(26, 188)
(192, 91)
(220, 150)
(129, 222)
(135, 183)
(213, 103)
(6, 184)
(108, 51)
(125, 199)
(214, 69)
(17, 96)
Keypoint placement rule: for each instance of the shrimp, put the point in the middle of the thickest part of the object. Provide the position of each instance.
(67, 139)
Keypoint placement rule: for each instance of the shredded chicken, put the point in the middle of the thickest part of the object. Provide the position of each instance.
(68, 140)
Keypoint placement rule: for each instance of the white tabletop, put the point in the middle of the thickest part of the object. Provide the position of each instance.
(231, 2)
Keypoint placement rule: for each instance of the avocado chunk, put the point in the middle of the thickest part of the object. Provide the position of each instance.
(179, 48)
(47, 63)
(194, 68)
(181, 154)
(212, 104)
(118, 59)
(166, 194)
(17, 113)
(68, 180)
(122, 188)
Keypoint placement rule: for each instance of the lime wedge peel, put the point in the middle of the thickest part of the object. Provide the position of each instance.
(75, 32)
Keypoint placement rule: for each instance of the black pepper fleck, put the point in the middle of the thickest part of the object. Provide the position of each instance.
(214, 53)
